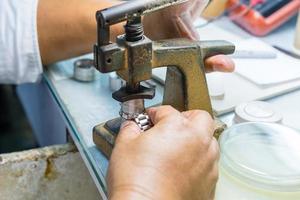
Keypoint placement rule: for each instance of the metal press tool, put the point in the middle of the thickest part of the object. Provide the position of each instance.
(133, 57)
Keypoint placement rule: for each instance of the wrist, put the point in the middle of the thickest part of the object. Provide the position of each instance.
(136, 192)
(145, 184)
(130, 192)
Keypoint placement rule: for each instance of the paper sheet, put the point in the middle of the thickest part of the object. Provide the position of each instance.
(267, 72)
(261, 72)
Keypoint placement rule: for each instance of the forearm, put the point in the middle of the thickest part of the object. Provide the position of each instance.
(67, 28)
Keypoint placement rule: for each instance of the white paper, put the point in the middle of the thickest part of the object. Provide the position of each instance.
(267, 72)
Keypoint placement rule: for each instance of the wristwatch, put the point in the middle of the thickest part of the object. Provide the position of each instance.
(135, 110)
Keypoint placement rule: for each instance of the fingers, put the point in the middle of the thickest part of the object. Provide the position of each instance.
(201, 121)
(214, 176)
(219, 63)
(185, 18)
(160, 113)
(197, 7)
(129, 130)
(185, 27)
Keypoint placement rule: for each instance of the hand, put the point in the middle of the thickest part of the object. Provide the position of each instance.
(176, 159)
(177, 21)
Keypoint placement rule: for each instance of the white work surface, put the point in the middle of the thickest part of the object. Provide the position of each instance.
(239, 89)
(253, 79)
(288, 104)
(85, 105)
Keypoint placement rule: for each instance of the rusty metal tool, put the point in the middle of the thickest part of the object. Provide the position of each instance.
(133, 57)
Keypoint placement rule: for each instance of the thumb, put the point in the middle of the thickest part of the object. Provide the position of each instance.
(197, 7)
(129, 130)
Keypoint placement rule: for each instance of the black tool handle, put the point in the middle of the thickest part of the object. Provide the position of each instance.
(129, 9)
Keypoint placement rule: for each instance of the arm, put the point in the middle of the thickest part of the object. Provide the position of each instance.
(67, 28)
(36, 32)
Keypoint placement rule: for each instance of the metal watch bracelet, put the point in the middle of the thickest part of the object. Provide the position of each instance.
(143, 121)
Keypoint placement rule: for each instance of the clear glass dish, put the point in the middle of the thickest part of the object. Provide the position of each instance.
(262, 159)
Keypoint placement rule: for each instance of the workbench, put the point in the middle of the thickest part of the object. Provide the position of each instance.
(61, 105)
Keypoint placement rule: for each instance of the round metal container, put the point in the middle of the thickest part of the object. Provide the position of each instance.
(84, 70)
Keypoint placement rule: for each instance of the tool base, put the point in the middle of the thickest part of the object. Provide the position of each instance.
(104, 134)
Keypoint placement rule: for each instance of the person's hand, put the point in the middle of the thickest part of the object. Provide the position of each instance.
(175, 159)
(177, 21)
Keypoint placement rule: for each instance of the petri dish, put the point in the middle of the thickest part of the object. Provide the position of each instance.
(264, 155)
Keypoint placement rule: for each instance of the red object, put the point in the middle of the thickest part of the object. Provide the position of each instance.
(254, 22)
(255, 2)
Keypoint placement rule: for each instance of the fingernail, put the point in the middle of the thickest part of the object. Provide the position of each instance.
(130, 126)
(217, 68)
(221, 67)
(151, 109)
(228, 65)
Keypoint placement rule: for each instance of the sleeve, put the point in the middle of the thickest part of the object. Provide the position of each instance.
(20, 59)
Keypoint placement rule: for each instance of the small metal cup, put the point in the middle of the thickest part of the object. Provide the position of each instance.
(84, 70)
